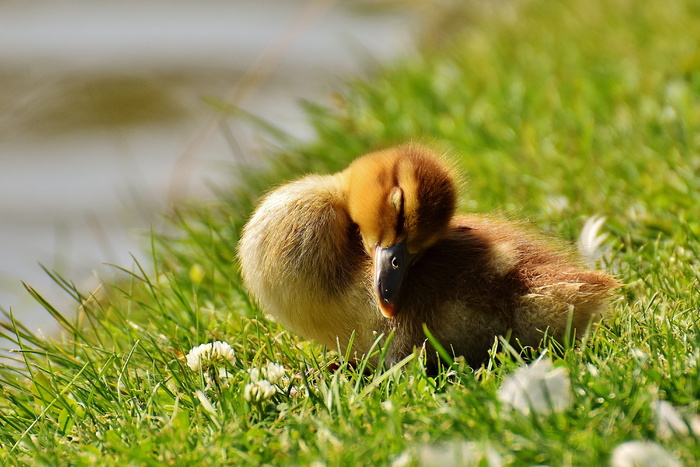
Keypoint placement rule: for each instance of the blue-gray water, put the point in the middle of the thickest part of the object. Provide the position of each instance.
(99, 101)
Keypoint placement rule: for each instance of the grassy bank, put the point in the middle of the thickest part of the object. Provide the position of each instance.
(558, 111)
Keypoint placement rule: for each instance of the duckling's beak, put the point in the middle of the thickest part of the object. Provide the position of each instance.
(390, 267)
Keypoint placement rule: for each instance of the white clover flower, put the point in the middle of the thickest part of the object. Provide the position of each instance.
(642, 454)
(258, 391)
(208, 356)
(273, 372)
(387, 406)
(254, 374)
(263, 382)
(539, 387)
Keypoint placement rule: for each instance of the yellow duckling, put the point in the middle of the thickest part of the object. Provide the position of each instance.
(377, 248)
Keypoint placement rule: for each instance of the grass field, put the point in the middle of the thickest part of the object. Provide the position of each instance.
(558, 111)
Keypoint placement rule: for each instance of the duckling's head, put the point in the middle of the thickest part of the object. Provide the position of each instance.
(402, 199)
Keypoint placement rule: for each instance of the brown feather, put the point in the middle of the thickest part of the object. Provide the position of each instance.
(486, 278)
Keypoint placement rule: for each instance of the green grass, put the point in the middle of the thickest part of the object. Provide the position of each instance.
(557, 111)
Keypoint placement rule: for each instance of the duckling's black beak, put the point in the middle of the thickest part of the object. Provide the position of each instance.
(390, 267)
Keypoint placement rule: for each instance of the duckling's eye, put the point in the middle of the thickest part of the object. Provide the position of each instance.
(394, 262)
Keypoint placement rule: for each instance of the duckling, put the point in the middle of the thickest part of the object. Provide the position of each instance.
(378, 248)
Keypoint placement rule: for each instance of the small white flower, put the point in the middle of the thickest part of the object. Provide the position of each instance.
(590, 242)
(537, 386)
(257, 391)
(642, 454)
(254, 374)
(273, 372)
(207, 356)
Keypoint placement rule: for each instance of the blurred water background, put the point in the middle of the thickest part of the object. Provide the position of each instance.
(103, 120)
